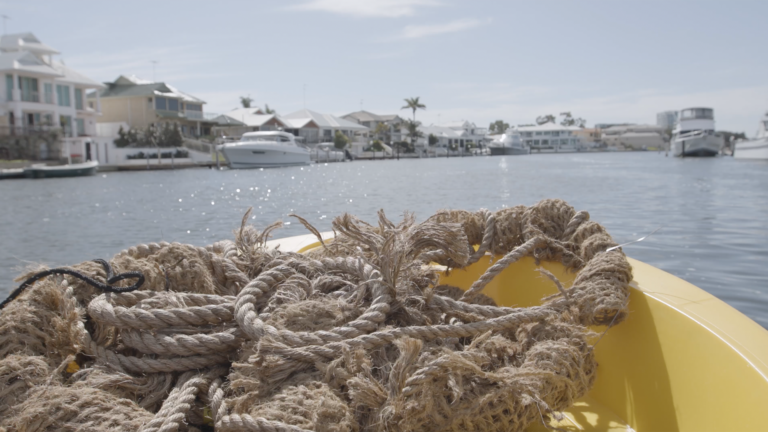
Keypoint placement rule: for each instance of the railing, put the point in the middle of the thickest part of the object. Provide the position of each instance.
(200, 115)
(28, 130)
(30, 96)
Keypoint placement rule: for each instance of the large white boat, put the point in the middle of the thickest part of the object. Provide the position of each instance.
(694, 134)
(755, 148)
(264, 150)
(509, 143)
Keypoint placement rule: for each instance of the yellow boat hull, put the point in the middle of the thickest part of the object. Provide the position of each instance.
(682, 361)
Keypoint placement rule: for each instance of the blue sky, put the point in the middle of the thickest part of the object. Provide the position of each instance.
(606, 61)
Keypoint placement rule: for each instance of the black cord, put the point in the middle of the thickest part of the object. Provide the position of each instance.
(105, 287)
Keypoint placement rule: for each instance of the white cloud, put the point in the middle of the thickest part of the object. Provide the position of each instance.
(366, 8)
(417, 31)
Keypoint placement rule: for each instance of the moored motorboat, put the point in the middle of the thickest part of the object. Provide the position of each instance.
(756, 148)
(265, 149)
(11, 173)
(694, 134)
(69, 170)
(682, 361)
(508, 143)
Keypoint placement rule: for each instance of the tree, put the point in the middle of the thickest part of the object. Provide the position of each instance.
(245, 101)
(413, 104)
(376, 146)
(267, 110)
(382, 131)
(432, 140)
(413, 131)
(340, 140)
(544, 119)
(499, 126)
(568, 120)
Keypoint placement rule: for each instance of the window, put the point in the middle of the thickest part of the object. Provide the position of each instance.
(544, 142)
(563, 142)
(48, 91)
(9, 87)
(66, 124)
(79, 98)
(555, 133)
(161, 103)
(62, 94)
(173, 104)
(535, 142)
(29, 92)
(546, 133)
(765, 125)
(538, 133)
(80, 127)
(194, 107)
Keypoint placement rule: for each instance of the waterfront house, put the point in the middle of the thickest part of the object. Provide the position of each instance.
(316, 127)
(447, 138)
(44, 98)
(550, 137)
(635, 137)
(370, 120)
(141, 104)
(470, 133)
(241, 120)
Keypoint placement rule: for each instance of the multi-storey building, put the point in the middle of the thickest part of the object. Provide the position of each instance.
(666, 120)
(42, 95)
(370, 120)
(550, 137)
(142, 104)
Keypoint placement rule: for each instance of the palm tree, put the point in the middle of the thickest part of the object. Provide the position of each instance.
(413, 103)
(267, 110)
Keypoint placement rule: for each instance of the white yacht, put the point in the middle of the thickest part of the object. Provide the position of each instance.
(264, 150)
(509, 143)
(755, 148)
(694, 134)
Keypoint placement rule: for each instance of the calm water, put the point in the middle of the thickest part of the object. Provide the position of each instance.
(714, 211)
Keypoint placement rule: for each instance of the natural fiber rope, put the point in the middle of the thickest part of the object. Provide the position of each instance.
(350, 336)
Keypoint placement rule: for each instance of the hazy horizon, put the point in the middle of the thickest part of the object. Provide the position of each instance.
(608, 62)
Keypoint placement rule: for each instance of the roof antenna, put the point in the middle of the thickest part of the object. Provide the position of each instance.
(5, 18)
(154, 62)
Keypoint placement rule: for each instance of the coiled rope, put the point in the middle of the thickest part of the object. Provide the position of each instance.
(352, 335)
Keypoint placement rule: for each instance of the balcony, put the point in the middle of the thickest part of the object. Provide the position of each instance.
(28, 130)
(30, 96)
(200, 115)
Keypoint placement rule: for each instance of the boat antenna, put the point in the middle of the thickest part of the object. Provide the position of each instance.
(5, 19)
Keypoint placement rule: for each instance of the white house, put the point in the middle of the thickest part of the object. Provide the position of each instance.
(316, 127)
(469, 131)
(371, 121)
(550, 137)
(44, 94)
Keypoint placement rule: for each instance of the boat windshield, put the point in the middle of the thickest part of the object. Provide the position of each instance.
(698, 113)
(267, 138)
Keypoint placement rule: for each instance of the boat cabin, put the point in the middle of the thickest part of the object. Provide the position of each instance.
(269, 136)
(695, 119)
